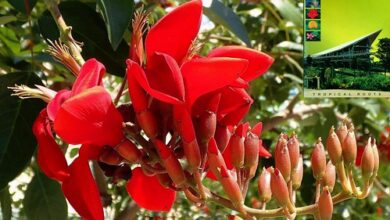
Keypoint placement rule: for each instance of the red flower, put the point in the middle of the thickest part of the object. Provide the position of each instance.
(312, 14)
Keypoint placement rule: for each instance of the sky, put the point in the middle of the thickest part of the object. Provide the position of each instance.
(346, 20)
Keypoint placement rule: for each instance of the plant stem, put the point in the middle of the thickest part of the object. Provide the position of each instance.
(65, 31)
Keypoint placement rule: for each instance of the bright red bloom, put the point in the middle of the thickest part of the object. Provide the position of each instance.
(149, 193)
(312, 14)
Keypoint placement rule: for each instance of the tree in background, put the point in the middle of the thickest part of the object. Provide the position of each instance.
(383, 53)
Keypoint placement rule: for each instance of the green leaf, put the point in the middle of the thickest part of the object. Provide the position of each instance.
(289, 11)
(17, 142)
(44, 199)
(6, 202)
(220, 14)
(21, 6)
(87, 27)
(7, 19)
(117, 15)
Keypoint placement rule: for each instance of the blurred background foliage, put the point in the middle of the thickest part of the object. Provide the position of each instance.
(272, 26)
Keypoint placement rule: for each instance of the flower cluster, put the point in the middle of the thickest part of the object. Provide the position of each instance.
(185, 111)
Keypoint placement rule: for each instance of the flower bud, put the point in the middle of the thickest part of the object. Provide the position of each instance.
(329, 178)
(376, 156)
(293, 149)
(237, 145)
(215, 158)
(333, 146)
(318, 160)
(368, 161)
(282, 159)
(349, 146)
(190, 144)
(257, 129)
(297, 174)
(164, 179)
(342, 132)
(148, 123)
(208, 120)
(128, 151)
(279, 189)
(230, 186)
(264, 186)
(325, 205)
(110, 156)
(252, 144)
(172, 165)
(222, 136)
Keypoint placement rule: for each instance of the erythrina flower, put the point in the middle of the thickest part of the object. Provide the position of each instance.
(312, 14)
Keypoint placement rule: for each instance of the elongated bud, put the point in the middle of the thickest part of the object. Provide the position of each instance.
(297, 175)
(293, 149)
(333, 146)
(147, 121)
(368, 161)
(164, 180)
(252, 144)
(208, 120)
(237, 145)
(342, 132)
(172, 165)
(325, 205)
(257, 129)
(349, 146)
(264, 186)
(376, 156)
(279, 189)
(128, 151)
(110, 156)
(318, 160)
(215, 158)
(190, 144)
(282, 159)
(329, 178)
(222, 136)
(230, 186)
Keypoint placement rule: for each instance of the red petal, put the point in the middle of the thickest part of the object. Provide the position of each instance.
(55, 104)
(148, 193)
(174, 33)
(82, 192)
(91, 74)
(91, 152)
(227, 157)
(263, 152)
(236, 116)
(240, 83)
(257, 129)
(90, 118)
(137, 94)
(259, 62)
(208, 74)
(51, 159)
(163, 79)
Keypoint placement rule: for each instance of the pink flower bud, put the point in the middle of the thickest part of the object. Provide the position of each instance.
(237, 146)
(349, 146)
(222, 137)
(282, 159)
(128, 151)
(148, 123)
(329, 178)
(264, 186)
(293, 149)
(215, 159)
(252, 144)
(297, 174)
(342, 132)
(172, 165)
(325, 205)
(333, 146)
(376, 156)
(207, 122)
(368, 161)
(318, 160)
(279, 189)
(230, 186)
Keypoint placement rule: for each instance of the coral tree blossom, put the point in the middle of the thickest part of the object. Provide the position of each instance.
(195, 99)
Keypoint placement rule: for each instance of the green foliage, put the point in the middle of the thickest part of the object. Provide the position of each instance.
(117, 16)
(383, 52)
(44, 199)
(17, 143)
(87, 27)
(6, 204)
